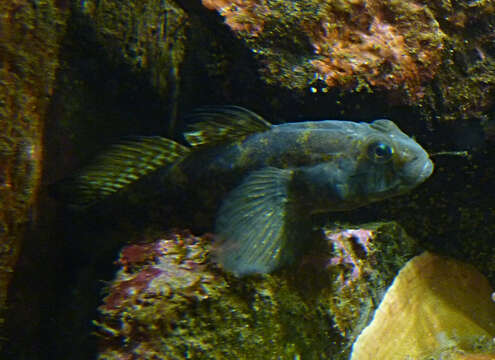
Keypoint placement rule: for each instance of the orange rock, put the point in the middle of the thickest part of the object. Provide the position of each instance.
(436, 307)
(388, 44)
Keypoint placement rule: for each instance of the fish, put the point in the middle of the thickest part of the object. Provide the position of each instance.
(267, 180)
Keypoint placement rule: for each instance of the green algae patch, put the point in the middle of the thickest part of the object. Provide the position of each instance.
(169, 300)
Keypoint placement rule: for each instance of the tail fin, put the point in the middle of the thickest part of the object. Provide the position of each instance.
(116, 168)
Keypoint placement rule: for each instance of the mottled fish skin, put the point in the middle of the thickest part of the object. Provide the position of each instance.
(333, 169)
(268, 179)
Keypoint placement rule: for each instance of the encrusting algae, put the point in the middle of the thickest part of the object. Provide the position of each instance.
(437, 308)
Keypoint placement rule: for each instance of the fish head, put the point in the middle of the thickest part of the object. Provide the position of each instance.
(389, 162)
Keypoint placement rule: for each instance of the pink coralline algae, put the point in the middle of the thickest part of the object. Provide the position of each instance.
(352, 252)
(161, 267)
(385, 44)
(380, 56)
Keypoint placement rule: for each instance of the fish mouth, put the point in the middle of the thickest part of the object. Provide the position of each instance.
(426, 171)
(418, 172)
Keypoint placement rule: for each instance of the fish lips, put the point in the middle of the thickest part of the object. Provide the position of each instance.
(417, 171)
(426, 171)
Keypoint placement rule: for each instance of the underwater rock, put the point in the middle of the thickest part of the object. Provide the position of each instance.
(170, 301)
(388, 44)
(31, 32)
(465, 82)
(363, 262)
(437, 55)
(148, 36)
(436, 308)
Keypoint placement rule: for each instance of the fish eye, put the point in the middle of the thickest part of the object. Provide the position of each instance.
(380, 152)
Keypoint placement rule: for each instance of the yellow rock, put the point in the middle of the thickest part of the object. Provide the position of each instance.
(436, 308)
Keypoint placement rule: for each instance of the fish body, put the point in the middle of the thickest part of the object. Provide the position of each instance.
(333, 162)
(271, 178)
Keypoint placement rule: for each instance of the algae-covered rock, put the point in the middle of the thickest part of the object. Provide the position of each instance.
(384, 44)
(170, 301)
(465, 82)
(437, 55)
(147, 36)
(101, 86)
(31, 32)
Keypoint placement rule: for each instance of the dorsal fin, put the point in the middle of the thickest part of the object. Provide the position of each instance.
(217, 125)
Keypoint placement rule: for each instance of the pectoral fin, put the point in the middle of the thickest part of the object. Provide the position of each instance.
(254, 224)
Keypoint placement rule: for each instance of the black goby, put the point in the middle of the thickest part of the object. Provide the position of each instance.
(266, 179)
